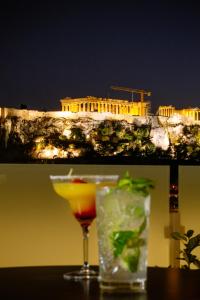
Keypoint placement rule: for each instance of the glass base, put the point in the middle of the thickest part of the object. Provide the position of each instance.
(123, 287)
(81, 275)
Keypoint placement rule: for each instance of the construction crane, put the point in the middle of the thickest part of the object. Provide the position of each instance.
(132, 91)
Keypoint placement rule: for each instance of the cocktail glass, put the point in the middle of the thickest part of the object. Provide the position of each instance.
(122, 228)
(80, 192)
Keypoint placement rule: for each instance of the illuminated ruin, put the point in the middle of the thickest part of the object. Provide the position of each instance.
(105, 105)
(97, 127)
(191, 113)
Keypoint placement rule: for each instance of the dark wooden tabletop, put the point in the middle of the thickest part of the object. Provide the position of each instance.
(47, 283)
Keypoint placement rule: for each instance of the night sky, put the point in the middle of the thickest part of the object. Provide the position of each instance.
(55, 49)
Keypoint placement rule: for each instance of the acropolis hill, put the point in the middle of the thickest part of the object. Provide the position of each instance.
(96, 127)
(115, 108)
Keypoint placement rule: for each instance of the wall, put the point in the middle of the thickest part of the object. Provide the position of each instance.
(37, 227)
(32, 114)
(189, 198)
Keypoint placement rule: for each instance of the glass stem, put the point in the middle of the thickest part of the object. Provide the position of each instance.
(85, 247)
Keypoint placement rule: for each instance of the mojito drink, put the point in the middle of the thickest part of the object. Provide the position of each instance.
(122, 227)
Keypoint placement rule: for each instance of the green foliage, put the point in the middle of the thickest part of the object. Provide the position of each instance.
(127, 243)
(190, 243)
(132, 260)
(135, 185)
(100, 139)
(77, 134)
(120, 239)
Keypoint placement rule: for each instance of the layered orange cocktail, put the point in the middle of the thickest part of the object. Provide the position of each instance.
(80, 192)
(81, 197)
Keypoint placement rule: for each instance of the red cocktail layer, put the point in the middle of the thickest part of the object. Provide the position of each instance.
(86, 217)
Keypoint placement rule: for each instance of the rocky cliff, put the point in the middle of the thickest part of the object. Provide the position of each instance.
(46, 136)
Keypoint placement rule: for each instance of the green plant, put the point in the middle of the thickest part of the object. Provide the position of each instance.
(135, 185)
(190, 243)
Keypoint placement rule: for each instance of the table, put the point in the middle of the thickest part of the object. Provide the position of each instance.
(46, 283)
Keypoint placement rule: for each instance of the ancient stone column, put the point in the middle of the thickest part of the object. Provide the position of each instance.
(92, 106)
(99, 107)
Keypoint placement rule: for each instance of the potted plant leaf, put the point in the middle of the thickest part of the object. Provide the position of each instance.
(190, 242)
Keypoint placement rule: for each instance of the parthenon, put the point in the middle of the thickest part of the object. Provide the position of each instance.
(102, 105)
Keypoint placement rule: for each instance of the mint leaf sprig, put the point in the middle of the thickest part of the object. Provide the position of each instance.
(127, 243)
(135, 185)
(129, 238)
